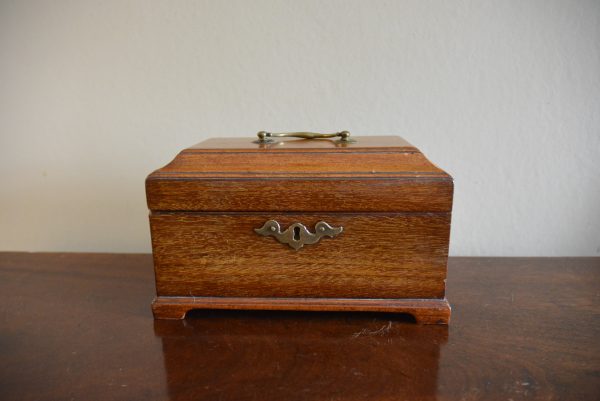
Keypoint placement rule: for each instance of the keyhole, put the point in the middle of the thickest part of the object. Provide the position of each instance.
(296, 233)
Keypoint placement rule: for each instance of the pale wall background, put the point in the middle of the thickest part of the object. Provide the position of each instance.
(505, 95)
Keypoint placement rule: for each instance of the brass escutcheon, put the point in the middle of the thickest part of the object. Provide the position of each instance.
(297, 235)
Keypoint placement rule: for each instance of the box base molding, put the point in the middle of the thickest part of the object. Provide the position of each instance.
(425, 311)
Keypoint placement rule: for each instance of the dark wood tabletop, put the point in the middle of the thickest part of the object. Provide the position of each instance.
(79, 327)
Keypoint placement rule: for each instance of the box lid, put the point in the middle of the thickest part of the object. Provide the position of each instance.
(373, 173)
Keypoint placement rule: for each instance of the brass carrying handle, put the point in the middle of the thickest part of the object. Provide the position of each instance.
(264, 136)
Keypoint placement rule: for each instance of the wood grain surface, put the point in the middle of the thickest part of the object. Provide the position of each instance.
(375, 174)
(300, 195)
(423, 311)
(267, 163)
(79, 327)
(398, 255)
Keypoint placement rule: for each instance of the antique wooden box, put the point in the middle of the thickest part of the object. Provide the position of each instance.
(347, 224)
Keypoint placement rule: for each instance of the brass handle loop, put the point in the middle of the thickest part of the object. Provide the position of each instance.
(264, 137)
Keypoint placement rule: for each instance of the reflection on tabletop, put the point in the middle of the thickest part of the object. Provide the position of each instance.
(295, 355)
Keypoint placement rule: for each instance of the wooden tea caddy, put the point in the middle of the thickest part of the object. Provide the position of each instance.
(322, 223)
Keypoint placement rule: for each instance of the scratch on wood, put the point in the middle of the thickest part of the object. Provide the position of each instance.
(379, 332)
